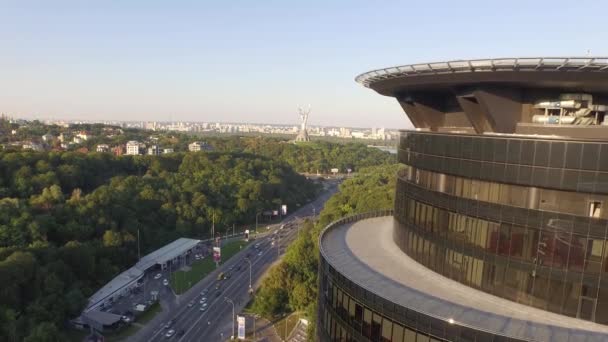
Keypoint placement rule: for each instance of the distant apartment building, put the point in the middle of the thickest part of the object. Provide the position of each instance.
(83, 135)
(167, 150)
(118, 150)
(133, 148)
(198, 146)
(77, 140)
(154, 150)
(48, 137)
(29, 145)
(103, 148)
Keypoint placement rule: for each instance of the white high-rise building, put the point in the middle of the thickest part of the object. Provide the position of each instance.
(133, 148)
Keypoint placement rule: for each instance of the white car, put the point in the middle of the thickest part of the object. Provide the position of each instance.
(260, 254)
(203, 300)
(191, 304)
(197, 257)
(158, 276)
(170, 333)
(165, 282)
(203, 308)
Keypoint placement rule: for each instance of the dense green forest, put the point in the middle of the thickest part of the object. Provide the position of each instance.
(68, 220)
(292, 284)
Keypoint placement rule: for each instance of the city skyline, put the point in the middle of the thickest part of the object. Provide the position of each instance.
(221, 62)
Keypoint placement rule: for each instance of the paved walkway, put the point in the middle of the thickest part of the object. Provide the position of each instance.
(264, 330)
(299, 333)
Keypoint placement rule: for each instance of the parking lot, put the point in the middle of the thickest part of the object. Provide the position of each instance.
(152, 287)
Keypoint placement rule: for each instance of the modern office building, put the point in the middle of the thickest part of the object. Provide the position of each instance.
(500, 225)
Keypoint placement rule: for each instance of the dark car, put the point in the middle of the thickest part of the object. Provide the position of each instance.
(181, 333)
(169, 324)
(218, 293)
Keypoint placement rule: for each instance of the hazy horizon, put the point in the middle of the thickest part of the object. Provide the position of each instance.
(219, 61)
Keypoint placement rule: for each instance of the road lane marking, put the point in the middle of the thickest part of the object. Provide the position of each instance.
(197, 321)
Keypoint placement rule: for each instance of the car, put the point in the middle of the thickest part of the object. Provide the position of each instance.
(218, 293)
(227, 276)
(204, 292)
(126, 319)
(259, 254)
(230, 268)
(220, 276)
(165, 282)
(203, 300)
(158, 276)
(238, 268)
(203, 308)
(181, 333)
(204, 305)
(170, 333)
(169, 324)
(191, 304)
(218, 285)
(197, 257)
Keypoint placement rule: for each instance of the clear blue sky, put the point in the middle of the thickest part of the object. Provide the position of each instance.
(255, 60)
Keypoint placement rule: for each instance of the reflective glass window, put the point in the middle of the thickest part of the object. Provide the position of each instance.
(387, 330)
(409, 335)
(397, 333)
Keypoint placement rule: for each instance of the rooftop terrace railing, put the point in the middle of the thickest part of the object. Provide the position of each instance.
(564, 64)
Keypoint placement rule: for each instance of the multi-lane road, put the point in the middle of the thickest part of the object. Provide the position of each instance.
(215, 322)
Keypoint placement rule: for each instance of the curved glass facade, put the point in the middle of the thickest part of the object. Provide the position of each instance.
(348, 311)
(520, 218)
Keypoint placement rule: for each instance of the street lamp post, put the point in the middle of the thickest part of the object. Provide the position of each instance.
(249, 261)
(279, 246)
(255, 317)
(232, 323)
(256, 221)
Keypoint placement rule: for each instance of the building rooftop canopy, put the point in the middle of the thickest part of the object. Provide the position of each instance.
(541, 95)
(565, 64)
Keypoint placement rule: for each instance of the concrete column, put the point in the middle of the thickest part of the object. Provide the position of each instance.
(441, 182)
(533, 198)
(410, 173)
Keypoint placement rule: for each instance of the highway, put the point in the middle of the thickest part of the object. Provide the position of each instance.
(214, 324)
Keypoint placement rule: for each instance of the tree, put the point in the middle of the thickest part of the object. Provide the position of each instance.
(112, 239)
(44, 332)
